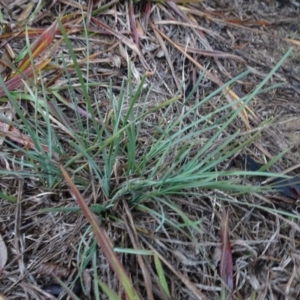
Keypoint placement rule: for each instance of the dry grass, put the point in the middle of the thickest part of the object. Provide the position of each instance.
(151, 214)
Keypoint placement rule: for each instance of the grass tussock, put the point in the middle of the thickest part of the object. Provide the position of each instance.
(123, 170)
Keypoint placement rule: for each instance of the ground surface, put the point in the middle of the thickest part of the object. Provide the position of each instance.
(227, 38)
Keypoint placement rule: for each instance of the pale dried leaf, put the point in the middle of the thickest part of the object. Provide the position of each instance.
(3, 128)
(2, 297)
(136, 74)
(87, 281)
(3, 253)
(139, 29)
(160, 54)
(116, 61)
(216, 257)
(5, 113)
(123, 51)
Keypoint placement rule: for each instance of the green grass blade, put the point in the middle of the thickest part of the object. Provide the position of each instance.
(161, 275)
